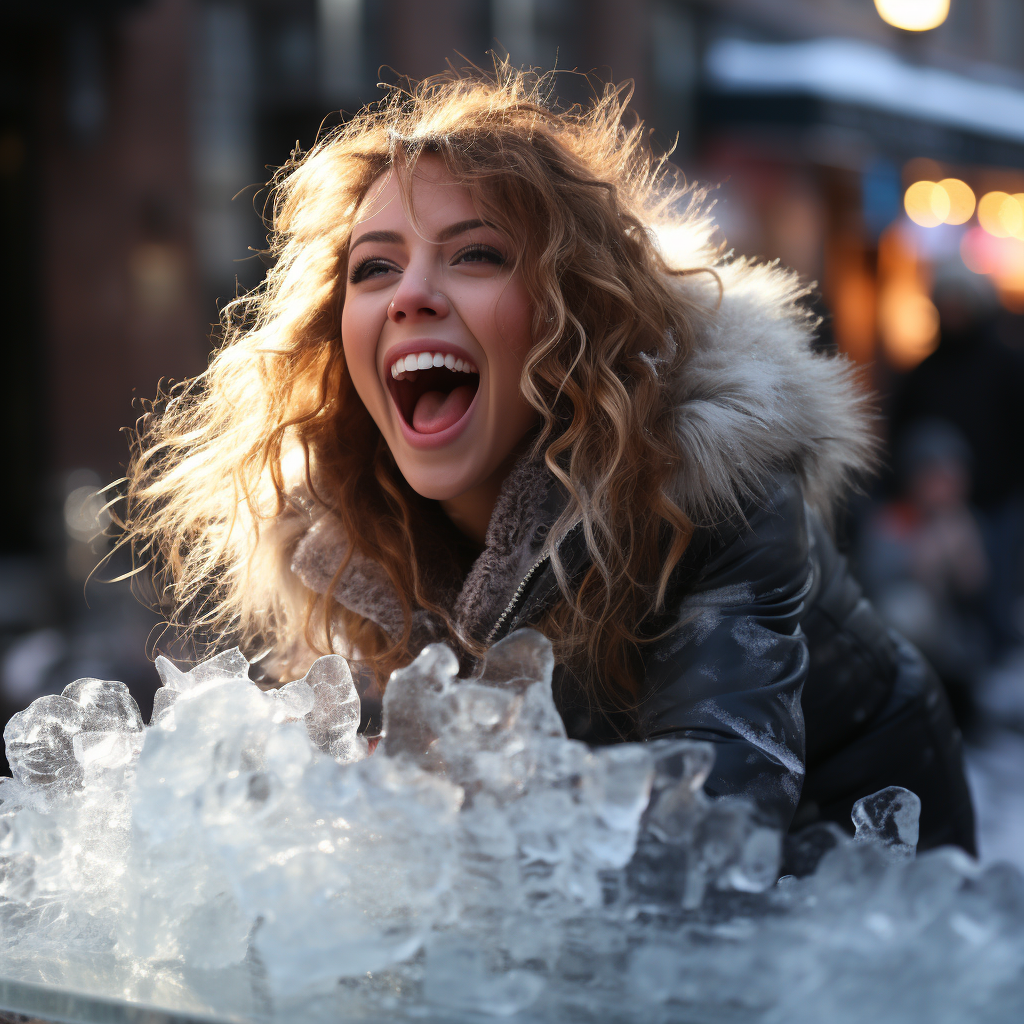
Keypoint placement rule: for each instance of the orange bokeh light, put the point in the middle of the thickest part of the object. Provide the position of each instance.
(1002, 215)
(908, 322)
(926, 203)
(930, 203)
(961, 200)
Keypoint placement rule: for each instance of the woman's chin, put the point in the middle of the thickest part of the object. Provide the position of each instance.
(439, 482)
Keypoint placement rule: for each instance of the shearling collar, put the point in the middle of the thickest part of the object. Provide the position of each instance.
(752, 399)
(526, 508)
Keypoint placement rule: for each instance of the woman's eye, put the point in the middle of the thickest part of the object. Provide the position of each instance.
(480, 254)
(370, 267)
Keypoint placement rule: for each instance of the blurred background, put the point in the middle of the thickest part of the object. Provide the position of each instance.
(876, 146)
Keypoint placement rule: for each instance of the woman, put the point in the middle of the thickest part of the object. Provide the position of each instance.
(499, 376)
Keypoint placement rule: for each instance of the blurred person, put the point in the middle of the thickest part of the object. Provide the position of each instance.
(975, 382)
(500, 376)
(923, 561)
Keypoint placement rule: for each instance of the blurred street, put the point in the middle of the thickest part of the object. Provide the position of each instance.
(879, 156)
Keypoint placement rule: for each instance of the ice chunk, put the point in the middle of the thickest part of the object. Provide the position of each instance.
(333, 717)
(103, 749)
(293, 700)
(243, 857)
(220, 668)
(805, 848)
(416, 706)
(518, 661)
(459, 977)
(40, 742)
(890, 819)
(108, 705)
(163, 700)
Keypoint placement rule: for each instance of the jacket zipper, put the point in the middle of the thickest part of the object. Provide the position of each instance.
(510, 607)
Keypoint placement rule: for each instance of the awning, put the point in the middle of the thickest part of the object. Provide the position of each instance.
(857, 73)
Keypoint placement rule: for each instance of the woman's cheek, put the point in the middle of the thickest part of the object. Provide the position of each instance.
(359, 343)
(513, 316)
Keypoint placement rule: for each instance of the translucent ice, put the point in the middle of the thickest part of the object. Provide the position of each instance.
(889, 818)
(50, 743)
(244, 855)
(218, 669)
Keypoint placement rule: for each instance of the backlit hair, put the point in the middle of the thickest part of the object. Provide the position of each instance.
(215, 490)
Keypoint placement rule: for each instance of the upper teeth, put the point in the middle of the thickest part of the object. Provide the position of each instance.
(425, 360)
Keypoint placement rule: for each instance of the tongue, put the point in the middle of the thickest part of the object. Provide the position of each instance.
(435, 411)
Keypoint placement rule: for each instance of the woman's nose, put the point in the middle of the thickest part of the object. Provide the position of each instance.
(416, 298)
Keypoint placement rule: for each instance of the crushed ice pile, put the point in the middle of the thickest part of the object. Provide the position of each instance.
(243, 855)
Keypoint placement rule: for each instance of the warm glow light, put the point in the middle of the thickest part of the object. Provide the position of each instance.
(926, 203)
(853, 306)
(1011, 216)
(978, 252)
(961, 200)
(1002, 215)
(1002, 259)
(909, 324)
(913, 15)
(1018, 199)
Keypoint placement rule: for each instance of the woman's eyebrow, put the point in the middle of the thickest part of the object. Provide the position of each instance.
(377, 236)
(460, 227)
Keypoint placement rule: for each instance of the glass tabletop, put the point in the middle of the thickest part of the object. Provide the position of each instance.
(60, 1006)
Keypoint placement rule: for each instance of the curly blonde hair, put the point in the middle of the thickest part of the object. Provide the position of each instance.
(212, 496)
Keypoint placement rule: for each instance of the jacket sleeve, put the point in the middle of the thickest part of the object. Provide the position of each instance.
(732, 665)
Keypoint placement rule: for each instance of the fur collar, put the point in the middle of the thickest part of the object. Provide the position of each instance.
(753, 399)
(524, 512)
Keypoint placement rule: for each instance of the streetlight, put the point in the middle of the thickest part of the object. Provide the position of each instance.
(913, 15)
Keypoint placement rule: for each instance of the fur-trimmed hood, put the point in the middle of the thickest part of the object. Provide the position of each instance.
(753, 399)
(754, 396)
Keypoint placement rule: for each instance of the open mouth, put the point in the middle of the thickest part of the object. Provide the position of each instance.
(433, 390)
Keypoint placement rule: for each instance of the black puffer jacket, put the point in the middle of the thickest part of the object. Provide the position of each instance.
(773, 654)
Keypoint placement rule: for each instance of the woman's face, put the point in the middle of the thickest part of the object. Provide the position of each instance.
(435, 328)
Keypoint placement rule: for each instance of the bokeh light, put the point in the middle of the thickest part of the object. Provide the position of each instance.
(1002, 215)
(1011, 213)
(977, 250)
(909, 324)
(85, 513)
(1001, 258)
(961, 200)
(930, 203)
(927, 203)
(913, 15)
